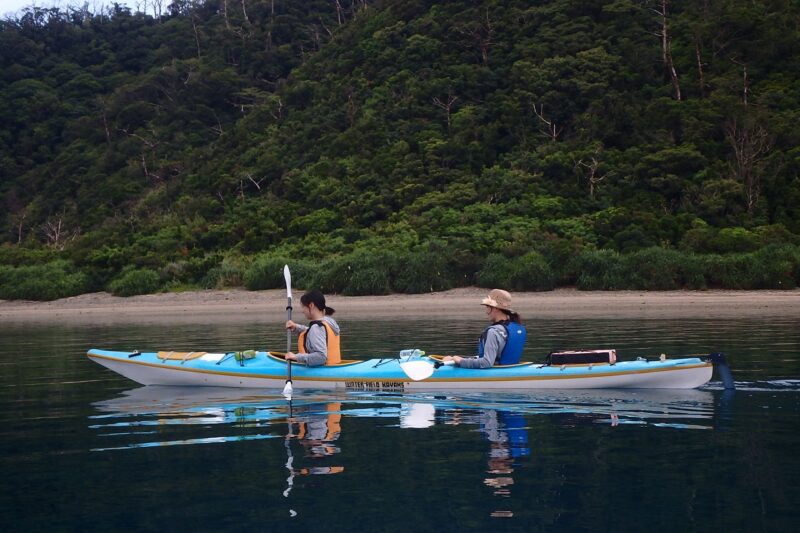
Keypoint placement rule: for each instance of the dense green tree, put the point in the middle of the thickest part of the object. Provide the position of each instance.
(192, 141)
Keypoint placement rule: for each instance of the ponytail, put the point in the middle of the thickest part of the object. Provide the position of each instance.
(315, 296)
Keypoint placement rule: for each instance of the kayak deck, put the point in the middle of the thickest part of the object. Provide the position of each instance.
(265, 369)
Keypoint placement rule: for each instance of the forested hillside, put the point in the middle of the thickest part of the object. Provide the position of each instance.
(401, 145)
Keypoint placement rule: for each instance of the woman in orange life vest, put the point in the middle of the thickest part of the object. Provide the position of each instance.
(503, 341)
(317, 343)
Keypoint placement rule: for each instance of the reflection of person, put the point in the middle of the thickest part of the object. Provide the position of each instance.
(503, 341)
(508, 440)
(317, 433)
(317, 343)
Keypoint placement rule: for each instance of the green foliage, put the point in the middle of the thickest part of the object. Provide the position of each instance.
(266, 272)
(778, 267)
(332, 275)
(658, 269)
(529, 272)
(737, 271)
(399, 148)
(726, 240)
(599, 270)
(133, 281)
(773, 267)
(381, 271)
(706, 239)
(20, 255)
(496, 272)
(560, 255)
(359, 273)
(229, 273)
(429, 268)
(369, 273)
(49, 281)
(532, 273)
(103, 263)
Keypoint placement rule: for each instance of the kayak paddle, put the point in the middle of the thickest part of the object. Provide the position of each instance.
(287, 390)
(417, 370)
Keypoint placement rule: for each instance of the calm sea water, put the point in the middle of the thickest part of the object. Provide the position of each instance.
(83, 449)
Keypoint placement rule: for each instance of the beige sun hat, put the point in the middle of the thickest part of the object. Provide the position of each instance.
(498, 298)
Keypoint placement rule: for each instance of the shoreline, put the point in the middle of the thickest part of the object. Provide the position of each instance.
(242, 305)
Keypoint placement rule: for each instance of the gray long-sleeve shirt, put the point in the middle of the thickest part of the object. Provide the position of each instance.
(316, 342)
(496, 337)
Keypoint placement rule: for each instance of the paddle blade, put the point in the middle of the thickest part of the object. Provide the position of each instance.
(287, 390)
(417, 370)
(288, 277)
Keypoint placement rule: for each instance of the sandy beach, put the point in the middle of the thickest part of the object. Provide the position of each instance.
(239, 305)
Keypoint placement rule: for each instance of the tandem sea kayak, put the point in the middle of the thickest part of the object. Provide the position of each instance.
(411, 371)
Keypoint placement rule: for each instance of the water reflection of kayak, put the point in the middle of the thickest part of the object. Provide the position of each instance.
(415, 410)
(257, 369)
(165, 416)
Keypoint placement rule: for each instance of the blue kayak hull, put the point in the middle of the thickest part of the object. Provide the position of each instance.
(265, 370)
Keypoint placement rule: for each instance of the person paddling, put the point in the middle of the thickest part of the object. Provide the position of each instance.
(317, 343)
(503, 341)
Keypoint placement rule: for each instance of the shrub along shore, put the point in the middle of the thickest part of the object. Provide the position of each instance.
(428, 268)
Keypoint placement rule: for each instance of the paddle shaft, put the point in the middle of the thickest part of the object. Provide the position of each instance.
(289, 338)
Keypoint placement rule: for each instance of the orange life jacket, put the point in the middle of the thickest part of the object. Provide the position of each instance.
(331, 339)
(333, 424)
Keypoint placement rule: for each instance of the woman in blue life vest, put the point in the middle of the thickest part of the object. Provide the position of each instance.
(503, 341)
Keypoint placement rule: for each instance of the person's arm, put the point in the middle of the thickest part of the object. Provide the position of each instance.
(495, 342)
(295, 328)
(317, 345)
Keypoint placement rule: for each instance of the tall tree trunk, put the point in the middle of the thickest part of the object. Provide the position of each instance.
(196, 36)
(666, 49)
(244, 12)
(700, 72)
(225, 14)
(745, 85)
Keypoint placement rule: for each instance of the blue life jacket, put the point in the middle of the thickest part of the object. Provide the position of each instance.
(517, 434)
(515, 342)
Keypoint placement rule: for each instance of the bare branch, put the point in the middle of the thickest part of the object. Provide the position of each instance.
(57, 234)
(254, 182)
(481, 34)
(447, 105)
(751, 143)
(590, 171)
(339, 12)
(552, 130)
